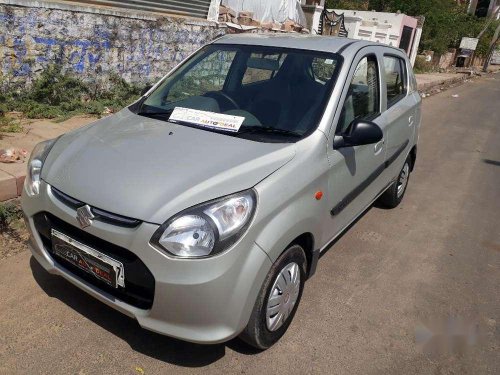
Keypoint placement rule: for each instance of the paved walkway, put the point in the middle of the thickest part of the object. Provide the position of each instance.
(12, 174)
(428, 81)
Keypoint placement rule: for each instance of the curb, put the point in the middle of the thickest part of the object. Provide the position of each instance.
(11, 186)
(441, 84)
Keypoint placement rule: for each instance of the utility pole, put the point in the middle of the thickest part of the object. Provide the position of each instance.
(493, 44)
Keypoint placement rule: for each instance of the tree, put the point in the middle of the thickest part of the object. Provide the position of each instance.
(347, 4)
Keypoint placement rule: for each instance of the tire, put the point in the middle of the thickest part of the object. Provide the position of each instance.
(258, 333)
(393, 196)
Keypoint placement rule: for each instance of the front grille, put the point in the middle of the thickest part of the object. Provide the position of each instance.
(101, 215)
(139, 282)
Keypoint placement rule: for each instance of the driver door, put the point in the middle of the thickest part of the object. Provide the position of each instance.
(354, 176)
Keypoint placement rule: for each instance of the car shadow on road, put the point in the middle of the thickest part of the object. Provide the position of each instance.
(345, 230)
(154, 345)
(492, 162)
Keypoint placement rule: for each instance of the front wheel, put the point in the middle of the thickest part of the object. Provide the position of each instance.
(278, 299)
(394, 194)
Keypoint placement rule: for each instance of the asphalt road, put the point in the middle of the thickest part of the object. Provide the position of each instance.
(373, 307)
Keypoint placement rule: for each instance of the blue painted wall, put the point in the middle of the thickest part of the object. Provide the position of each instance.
(93, 45)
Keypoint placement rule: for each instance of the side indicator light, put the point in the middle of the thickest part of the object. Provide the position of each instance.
(318, 195)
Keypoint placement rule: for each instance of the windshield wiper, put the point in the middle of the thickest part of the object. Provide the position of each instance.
(161, 114)
(269, 130)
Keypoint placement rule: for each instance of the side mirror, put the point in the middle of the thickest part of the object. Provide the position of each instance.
(146, 89)
(360, 132)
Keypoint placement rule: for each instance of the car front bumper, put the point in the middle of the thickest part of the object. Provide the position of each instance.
(199, 300)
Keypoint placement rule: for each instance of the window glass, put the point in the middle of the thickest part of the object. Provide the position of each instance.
(362, 101)
(208, 75)
(286, 106)
(262, 67)
(413, 82)
(395, 79)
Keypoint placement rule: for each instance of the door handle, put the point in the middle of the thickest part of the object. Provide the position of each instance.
(379, 147)
(410, 121)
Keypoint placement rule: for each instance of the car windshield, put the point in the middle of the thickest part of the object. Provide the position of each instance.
(276, 94)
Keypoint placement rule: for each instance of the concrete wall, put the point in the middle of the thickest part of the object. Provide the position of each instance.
(374, 26)
(92, 42)
(381, 27)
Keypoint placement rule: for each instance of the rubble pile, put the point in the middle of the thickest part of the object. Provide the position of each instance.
(244, 20)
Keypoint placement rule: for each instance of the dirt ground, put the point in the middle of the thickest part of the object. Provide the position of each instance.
(13, 239)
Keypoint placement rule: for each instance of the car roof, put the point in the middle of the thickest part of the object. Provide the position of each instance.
(299, 41)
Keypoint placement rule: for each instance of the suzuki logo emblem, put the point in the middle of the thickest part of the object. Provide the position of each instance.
(84, 216)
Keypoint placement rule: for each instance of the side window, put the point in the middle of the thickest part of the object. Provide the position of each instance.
(209, 75)
(395, 78)
(363, 96)
(262, 67)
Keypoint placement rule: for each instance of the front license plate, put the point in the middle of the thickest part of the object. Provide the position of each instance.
(89, 260)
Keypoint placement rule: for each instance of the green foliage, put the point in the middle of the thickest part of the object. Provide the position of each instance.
(10, 125)
(446, 21)
(57, 95)
(347, 4)
(484, 42)
(53, 88)
(9, 213)
(422, 66)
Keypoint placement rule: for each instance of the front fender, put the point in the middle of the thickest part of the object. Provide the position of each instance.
(287, 205)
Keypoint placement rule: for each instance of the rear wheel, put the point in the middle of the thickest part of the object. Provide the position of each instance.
(278, 299)
(394, 194)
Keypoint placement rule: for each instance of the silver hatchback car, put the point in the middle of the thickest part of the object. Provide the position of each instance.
(201, 209)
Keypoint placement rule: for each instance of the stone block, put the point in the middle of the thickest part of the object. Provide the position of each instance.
(8, 186)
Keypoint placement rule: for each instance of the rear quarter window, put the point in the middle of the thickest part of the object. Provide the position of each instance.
(395, 79)
(413, 80)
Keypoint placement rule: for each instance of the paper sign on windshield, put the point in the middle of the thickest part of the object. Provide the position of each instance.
(207, 119)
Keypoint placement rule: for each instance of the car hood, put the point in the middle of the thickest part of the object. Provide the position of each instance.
(150, 170)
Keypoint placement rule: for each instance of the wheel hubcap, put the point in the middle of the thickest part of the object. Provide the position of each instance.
(403, 179)
(283, 296)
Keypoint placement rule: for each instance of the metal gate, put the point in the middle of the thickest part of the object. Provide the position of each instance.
(189, 8)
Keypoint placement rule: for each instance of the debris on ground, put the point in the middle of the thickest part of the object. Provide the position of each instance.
(227, 14)
(455, 96)
(13, 155)
(245, 21)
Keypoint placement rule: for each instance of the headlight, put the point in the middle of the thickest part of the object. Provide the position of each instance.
(35, 164)
(206, 229)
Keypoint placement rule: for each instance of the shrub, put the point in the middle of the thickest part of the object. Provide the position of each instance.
(57, 95)
(422, 65)
(9, 212)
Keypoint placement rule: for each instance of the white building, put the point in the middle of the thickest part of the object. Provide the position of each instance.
(394, 29)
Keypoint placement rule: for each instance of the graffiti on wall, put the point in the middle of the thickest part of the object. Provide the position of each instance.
(94, 44)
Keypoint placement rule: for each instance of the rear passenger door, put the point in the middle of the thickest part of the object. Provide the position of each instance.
(399, 116)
